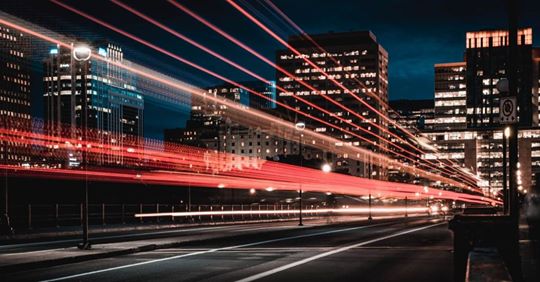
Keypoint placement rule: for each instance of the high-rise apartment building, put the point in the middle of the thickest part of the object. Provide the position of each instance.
(15, 70)
(357, 62)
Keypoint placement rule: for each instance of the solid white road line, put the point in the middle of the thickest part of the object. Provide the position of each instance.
(212, 251)
(329, 253)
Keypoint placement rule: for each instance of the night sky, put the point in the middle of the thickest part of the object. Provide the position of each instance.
(416, 34)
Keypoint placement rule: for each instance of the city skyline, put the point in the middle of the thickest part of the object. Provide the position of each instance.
(413, 48)
(246, 140)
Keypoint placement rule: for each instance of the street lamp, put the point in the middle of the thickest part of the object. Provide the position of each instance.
(82, 54)
(326, 168)
(507, 132)
(300, 126)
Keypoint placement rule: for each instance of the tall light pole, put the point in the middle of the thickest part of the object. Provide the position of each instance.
(189, 196)
(370, 218)
(513, 92)
(506, 134)
(82, 54)
(5, 215)
(300, 126)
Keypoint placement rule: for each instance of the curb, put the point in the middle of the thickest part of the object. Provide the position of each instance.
(101, 230)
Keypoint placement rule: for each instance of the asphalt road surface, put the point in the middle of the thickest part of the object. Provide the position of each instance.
(417, 250)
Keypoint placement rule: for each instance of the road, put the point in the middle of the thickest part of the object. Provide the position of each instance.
(63, 241)
(417, 250)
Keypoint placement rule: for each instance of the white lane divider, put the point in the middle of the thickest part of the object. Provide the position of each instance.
(329, 253)
(212, 251)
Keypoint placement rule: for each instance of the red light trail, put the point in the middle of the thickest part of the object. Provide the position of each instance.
(305, 35)
(159, 49)
(182, 165)
(345, 89)
(323, 140)
(207, 50)
(469, 179)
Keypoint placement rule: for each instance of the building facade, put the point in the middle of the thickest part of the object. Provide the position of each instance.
(450, 96)
(114, 107)
(209, 127)
(466, 124)
(486, 56)
(354, 60)
(15, 71)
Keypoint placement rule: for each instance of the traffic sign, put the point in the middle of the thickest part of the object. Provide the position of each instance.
(508, 110)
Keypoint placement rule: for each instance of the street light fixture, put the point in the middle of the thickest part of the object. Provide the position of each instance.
(507, 132)
(82, 54)
(326, 168)
(300, 126)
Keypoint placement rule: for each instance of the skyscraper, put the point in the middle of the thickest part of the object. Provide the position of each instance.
(114, 106)
(450, 96)
(466, 125)
(14, 92)
(486, 58)
(347, 58)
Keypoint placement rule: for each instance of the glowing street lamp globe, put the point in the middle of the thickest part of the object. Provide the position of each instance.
(82, 53)
(300, 126)
(326, 168)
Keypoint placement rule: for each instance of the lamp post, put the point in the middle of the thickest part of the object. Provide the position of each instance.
(189, 196)
(512, 92)
(326, 168)
(5, 215)
(506, 134)
(369, 205)
(406, 206)
(82, 54)
(300, 126)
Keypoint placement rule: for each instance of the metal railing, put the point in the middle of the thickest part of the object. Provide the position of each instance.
(56, 215)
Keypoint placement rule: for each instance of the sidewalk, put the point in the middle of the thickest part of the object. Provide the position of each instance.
(530, 254)
(486, 264)
(12, 262)
(75, 231)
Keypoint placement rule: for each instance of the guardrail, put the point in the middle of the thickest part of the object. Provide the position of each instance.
(50, 215)
(56, 215)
